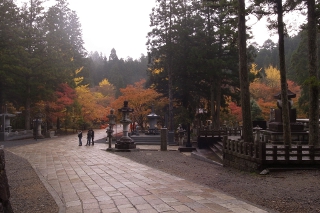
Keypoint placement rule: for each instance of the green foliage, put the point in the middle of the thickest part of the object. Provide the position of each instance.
(119, 72)
(196, 48)
(256, 112)
(40, 50)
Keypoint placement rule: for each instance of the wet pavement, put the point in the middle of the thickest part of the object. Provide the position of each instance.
(89, 179)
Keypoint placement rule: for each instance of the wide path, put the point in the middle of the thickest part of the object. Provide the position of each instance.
(89, 179)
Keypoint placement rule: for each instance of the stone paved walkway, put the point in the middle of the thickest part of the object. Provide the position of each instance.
(88, 179)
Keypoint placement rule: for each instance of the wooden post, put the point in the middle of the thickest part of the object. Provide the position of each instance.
(262, 152)
(287, 153)
(236, 146)
(299, 153)
(311, 153)
(274, 153)
(250, 149)
(164, 139)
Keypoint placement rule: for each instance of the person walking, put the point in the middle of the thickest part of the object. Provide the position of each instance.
(89, 137)
(92, 137)
(80, 137)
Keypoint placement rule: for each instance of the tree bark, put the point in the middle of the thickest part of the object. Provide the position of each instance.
(243, 74)
(283, 78)
(313, 87)
(28, 105)
(216, 103)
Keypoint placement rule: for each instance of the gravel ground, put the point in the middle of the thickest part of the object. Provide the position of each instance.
(284, 191)
(28, 194)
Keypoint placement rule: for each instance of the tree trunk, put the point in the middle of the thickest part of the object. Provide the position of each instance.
(216, 103)
(243, 74)
(168, 43)
(313, 87)
(27, 105)
(283, 78)
(1, 98)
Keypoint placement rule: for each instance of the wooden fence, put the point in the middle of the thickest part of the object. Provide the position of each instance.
(266, 155)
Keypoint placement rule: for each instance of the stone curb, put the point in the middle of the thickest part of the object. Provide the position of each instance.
(203, 158)
(54, 194)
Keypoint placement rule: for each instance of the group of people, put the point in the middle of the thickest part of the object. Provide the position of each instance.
(90, 137)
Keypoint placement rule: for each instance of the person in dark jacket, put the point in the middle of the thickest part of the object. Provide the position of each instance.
(80, 137)
(89, 134)
(92, 136)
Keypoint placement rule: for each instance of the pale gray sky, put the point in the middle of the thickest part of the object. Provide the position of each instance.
(124, 25)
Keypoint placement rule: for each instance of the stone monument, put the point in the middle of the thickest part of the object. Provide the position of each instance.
(125, 142)
(112, 122)
(274, 133)
(37, 121)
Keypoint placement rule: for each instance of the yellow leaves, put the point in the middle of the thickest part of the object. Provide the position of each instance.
(79, 70)
(272, 77)
(254, 69)
(157, 71)
(78, 80)
(104, 82)
(89, 101)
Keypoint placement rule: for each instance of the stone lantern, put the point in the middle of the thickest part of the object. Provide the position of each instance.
(152, 120)
(37, 121)
(112, 122)
(125, 142)
(5, 124)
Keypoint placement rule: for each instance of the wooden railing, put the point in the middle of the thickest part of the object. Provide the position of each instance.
(207, 138)
(268, 154)
(212, 133)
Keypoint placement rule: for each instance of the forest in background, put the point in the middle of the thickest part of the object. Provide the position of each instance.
(46, 71)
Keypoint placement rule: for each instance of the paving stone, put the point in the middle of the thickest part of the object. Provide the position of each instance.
(89, 179)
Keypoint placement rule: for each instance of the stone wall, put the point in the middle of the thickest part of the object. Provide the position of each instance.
(5, 206)
(242, 164)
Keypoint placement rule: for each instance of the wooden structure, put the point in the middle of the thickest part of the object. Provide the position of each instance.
(256, 157)
(206, 138)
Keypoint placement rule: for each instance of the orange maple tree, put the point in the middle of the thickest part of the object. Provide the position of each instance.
(263, 89)
(64, 97)
(140, 99)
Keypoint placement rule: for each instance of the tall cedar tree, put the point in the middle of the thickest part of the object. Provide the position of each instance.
(278, 9)
(313, 75)
(243, 73)
(199, 63)
(221, 55)
(9, 39)
(47, 54)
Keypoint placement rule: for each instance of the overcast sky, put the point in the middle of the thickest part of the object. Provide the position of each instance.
(123, 25)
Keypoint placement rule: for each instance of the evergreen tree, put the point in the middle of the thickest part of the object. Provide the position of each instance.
(9, 41)
(243, 73)
(193, 49)
(313, 75)
(268, 7)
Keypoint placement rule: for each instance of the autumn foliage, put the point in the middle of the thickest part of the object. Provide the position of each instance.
(263, 89)
(140, 99)
(64, 96)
